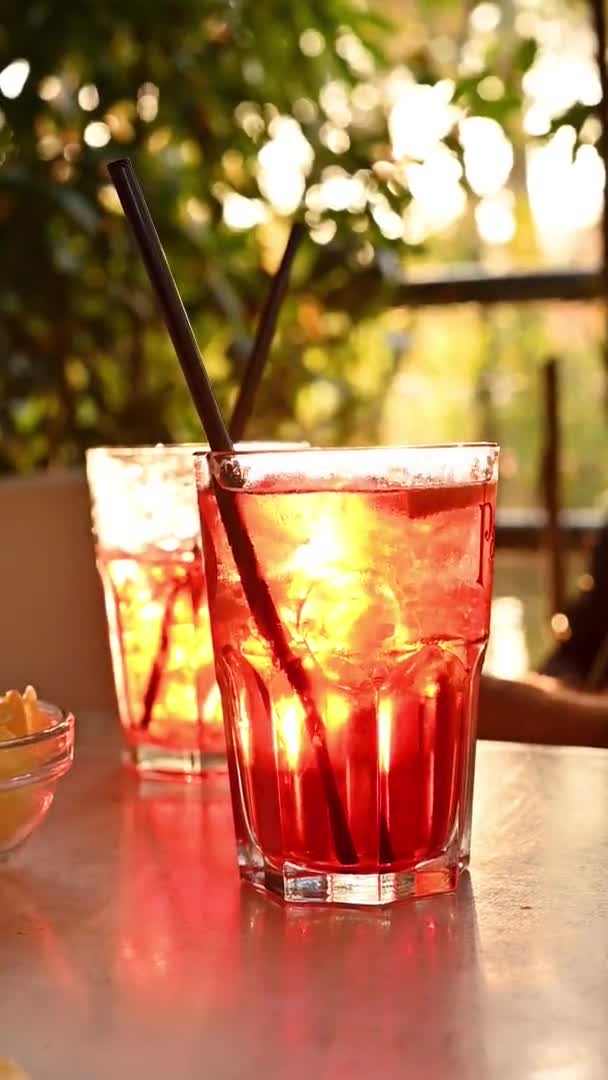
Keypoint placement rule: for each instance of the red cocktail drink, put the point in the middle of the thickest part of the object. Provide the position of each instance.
(151, 565)
(379, 565)
(150, 561)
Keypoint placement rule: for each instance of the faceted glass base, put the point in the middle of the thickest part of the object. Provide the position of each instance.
(301, 885)
(158, 762)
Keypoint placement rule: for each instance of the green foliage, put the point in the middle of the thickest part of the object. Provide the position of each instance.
(191, 91)
(576, 116)
(84, 357)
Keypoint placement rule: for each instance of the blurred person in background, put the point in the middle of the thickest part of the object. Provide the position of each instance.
(567, 701)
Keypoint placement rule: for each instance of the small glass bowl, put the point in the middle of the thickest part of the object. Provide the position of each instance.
(30, 767)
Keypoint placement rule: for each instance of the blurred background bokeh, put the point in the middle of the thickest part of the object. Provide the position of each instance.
(414, 139)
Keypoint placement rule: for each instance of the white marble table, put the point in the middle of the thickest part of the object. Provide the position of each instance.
(128, 949)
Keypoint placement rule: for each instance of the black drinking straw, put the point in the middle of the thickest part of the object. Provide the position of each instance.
(254, 586)
(263, 338)
(256, 362)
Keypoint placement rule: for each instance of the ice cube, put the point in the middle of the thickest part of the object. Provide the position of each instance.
(347, 620)
(424, 672)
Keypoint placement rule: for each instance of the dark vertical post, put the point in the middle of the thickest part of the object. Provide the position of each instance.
(550, 482)
(598, 20)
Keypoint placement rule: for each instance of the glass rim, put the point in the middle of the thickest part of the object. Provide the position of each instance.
(59, 741)
(335, 468)
(145, 449)
(197, 449)
(286, 448)
(60, 723)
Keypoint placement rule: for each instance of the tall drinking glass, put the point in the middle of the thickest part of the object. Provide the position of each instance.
(379, 567)
(149, 557)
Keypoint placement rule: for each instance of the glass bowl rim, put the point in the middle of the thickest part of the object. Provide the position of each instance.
(62, 724)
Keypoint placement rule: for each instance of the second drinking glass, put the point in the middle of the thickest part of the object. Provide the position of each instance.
(149, 557)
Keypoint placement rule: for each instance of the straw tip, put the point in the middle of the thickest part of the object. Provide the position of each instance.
(118, 164)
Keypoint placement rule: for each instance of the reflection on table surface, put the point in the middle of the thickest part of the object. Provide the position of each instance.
(126, 943)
